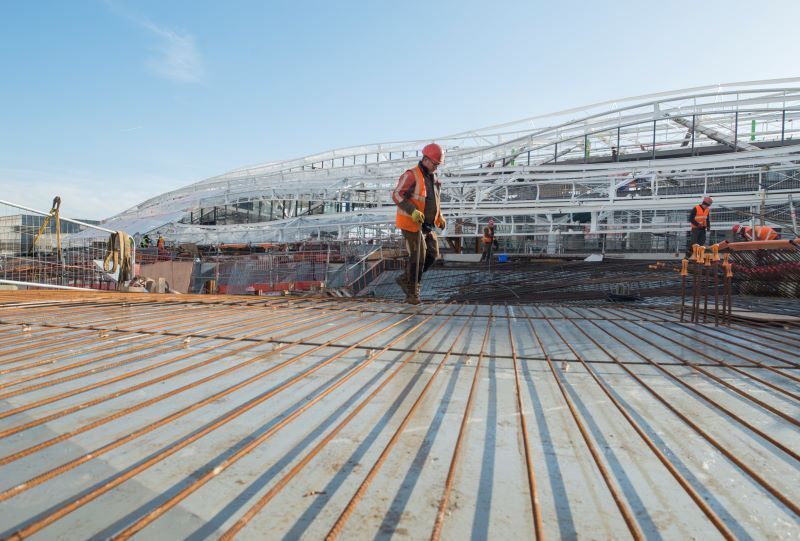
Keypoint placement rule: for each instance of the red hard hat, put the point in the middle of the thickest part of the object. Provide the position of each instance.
(433, 152)
(707, 200)
(736, 228)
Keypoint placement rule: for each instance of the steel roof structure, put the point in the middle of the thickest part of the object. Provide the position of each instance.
(262, 418)
(633, 165)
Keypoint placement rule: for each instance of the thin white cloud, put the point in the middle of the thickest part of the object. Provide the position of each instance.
(176, 56)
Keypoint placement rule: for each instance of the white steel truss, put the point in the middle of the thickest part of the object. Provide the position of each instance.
(635, 165)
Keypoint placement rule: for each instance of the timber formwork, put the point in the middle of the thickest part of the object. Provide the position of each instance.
(280, 417)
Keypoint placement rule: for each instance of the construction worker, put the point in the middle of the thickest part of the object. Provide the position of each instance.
(489, 241)
(763, 232)
(161, 248)
(146, 242)
(700, 220)
(417, 196)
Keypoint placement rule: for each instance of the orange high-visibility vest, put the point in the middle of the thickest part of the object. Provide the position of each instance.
(701, 216)
(763, 232)
(403, 219)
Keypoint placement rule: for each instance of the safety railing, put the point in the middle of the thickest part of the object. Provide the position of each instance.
(49, 250)
(300, 268)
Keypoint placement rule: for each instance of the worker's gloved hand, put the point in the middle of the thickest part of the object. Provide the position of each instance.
(417, 216)
(442, 224)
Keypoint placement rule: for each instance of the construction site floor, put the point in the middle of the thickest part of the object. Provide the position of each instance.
(197, 417)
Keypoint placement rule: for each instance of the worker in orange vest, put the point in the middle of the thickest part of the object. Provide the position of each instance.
(418, 199)
(700, 220)
(489, 241)
(763, 232)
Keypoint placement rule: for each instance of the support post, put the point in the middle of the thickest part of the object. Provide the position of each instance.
(783, 126)
(654, 140)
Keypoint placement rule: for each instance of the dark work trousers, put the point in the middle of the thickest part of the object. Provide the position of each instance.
(487, 252)
(697, 236)
(422, 248)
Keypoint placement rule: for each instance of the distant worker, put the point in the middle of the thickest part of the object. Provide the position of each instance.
(489, 242)
(161, 248)
(700, 220)
(763, 232)
(417, 196)
(146, 242)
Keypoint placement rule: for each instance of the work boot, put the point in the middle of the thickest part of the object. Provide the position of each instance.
(412, 297)
(402, 281)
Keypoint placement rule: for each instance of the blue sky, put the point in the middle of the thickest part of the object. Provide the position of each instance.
(109, 102)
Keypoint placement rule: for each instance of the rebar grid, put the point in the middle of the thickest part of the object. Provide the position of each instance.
(562, 420)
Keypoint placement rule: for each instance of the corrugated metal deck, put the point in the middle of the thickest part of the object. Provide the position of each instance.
(267, 418)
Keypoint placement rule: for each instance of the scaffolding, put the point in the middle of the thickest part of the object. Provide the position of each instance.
(46, 249)
(631, 166)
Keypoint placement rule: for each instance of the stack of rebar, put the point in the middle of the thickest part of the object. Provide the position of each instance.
(767, 272)
(710, 283)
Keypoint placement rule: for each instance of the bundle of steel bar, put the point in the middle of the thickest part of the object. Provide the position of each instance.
(766, 267)
(709, 271)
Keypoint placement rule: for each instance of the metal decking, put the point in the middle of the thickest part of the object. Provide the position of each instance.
(267, 418)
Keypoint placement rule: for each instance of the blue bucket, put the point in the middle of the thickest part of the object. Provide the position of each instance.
(502, 258)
